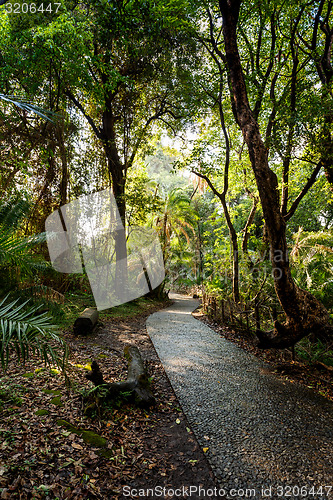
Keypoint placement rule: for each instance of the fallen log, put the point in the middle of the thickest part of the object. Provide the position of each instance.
(136, 387)
(86, 322)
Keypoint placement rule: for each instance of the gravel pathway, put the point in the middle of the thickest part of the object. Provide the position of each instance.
(260, 431)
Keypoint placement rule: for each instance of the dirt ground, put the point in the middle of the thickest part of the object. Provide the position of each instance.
(142, 449)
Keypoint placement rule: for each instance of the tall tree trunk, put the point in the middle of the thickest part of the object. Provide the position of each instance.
(107, 134)
(327, 149)
(116, 168)
(64, 164)
(304, 313)
(200, 255)
(118, 176)
(222, 197)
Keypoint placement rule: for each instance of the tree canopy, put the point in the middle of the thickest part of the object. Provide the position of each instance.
(211, 121)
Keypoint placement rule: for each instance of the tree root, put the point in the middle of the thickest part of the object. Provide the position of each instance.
(136, 387)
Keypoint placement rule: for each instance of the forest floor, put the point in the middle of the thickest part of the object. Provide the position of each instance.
(314, 375)
(126, 446)
(46, 451)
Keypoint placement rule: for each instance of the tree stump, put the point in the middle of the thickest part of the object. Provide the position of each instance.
(86, 322)
(136, 387)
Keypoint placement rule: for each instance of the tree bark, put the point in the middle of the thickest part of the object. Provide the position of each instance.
(118, 176)
(248, 224)
(304, 314)
(137, 383)
(222, 197)
(63, 187)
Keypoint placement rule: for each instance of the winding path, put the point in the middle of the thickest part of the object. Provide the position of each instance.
(260, 431)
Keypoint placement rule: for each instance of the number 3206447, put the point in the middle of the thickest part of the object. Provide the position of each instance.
(31, 8)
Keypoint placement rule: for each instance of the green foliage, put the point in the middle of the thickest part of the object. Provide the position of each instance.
(15, 256)
(11, 393)
(315, 351)
(23, 331)
(312, 256)
(141, 197)
(17, 260)
(175, 224)
(132, 64)
(160, 170)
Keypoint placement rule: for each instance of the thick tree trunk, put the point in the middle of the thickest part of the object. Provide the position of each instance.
(64, 165)
(137, 383)
(327, 148)
(107, 134)
(118, 176)
(303, 312)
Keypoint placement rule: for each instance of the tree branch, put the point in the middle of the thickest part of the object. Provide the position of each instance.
(305, 189)
(291, 131)
(79, 106)
(249, 221)
(262, 87)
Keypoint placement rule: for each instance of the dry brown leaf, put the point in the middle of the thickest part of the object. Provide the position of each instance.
(77, 446)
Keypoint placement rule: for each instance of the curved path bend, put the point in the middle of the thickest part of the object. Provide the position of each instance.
(260, 431)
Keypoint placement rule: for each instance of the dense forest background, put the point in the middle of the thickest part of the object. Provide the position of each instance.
(212, 123)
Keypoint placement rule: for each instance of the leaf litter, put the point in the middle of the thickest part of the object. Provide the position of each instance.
(141, 448)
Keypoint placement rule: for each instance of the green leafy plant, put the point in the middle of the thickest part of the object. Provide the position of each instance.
(313, 352)
(312, 257)
(18, 261)
(24, 331)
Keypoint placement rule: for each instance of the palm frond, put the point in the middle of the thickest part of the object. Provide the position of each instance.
(323, 249)
(295, 251)
(182, 230)
(312, 243)
(24, 331)
(12, 212)
(14, 251)
(26, 105)
(40, 291)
